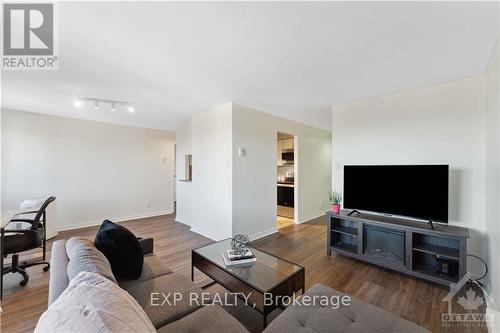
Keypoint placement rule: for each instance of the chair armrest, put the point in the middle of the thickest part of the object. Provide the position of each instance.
(19, 231)
(18, 220)
(147, 244)
(21, 220)
(25, 213)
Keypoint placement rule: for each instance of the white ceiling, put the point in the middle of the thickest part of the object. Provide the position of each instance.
(295, 60)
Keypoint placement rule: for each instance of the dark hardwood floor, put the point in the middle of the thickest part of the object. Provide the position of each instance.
(415, 300)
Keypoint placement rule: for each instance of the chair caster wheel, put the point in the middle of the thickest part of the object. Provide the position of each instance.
(46, 268)
(23, 283)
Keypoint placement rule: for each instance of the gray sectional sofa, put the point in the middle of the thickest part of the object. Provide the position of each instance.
(358, 317)
(157, 277)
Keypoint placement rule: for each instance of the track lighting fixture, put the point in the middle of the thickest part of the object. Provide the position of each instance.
(96, 104)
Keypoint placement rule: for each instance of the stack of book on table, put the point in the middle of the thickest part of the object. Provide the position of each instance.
(232, 259)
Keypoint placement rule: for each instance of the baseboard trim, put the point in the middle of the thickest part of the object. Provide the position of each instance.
(263, 234)
(180, 221)
(312, 217)
(208, 234)
(491, 310)
(492, 326)
(115, 219)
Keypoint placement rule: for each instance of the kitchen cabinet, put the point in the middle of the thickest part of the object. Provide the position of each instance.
(278, 152)
(285, 196)
(288, 143)
(283, 144)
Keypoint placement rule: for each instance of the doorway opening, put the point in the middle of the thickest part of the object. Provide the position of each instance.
(286, 168)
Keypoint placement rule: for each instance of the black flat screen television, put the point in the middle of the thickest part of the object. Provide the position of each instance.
(417, 191)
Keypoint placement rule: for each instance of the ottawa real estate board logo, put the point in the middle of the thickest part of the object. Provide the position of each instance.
(29, 36)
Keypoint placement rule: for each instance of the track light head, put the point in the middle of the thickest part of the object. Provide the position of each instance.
(96, 104)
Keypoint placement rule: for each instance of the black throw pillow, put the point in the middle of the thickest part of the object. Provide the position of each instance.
(121, 248)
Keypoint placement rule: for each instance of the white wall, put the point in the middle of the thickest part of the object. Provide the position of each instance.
(254, 175)
(442, 124)
(205, 204)
(1, 201)
(493, 174)
(230, 194)
(95, 170)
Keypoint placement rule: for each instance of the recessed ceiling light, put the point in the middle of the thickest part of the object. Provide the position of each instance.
(130, 109)
(96, 105)
(78, 103)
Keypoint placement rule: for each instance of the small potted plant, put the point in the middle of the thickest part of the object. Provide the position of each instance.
(335, 199)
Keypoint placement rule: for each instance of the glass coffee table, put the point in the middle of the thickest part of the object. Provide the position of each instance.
(269, 278)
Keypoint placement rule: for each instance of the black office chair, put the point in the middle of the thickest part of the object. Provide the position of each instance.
(20, 240)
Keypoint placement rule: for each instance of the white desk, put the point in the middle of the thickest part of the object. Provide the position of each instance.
(10, 214)
(6, 216)
(51, 215)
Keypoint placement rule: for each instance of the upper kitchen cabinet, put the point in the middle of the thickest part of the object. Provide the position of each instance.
(288, 143)
(278, 152)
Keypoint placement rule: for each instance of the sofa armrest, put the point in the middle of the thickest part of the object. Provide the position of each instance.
(147, 244)
(58, 271)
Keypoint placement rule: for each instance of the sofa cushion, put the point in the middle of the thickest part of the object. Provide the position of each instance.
(150, 295)
(92, 303)
(153, 267)
(208, 319)
(85, 257)
(358, 317)
(122, 249)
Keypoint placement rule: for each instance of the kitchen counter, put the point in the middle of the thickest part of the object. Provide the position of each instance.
(285, 184)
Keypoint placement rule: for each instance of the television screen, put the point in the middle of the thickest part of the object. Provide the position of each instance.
(418, 191)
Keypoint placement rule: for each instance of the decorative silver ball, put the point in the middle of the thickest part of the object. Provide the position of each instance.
(240, 244)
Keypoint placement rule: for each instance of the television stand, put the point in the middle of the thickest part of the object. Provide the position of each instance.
(353, 211)
(431, 224)
(402, 245)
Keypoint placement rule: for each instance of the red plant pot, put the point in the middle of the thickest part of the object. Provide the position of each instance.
(335, 208)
